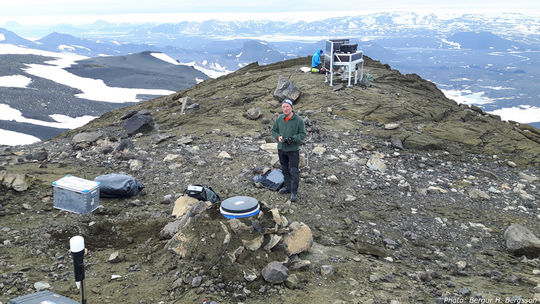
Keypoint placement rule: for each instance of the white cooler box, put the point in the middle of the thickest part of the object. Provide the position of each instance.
(42, 297)
(76, 194)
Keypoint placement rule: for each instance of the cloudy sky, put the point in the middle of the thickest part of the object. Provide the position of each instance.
(88, 11)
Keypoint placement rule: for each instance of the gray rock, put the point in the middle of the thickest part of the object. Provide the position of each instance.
(364, 83)
(86, 137)
(253, 113)
(139, 123)
(376, 164)
(275, 273)
(20, 183)
(527, 177)
(196, 282)
(327, 270)
(465, 291)
(250, 275)
(390, 244)
(116, 257)
(513, 279)
(41, 285)
(124, 144)
(396, 143)
(286, 90)
(128, 114)
(40, 155)
(478, 194)
(192, 108)
(521, 241)
(333, 179)
(292, 281)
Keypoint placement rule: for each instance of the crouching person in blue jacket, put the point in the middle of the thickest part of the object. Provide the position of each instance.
(316, 60)
(289, 130)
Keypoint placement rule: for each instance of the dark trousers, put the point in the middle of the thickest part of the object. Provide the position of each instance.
(289, 166)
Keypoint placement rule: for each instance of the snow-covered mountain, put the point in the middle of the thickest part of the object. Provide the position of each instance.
(44, 93)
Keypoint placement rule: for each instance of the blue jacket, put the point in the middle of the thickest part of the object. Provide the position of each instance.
(316, 61)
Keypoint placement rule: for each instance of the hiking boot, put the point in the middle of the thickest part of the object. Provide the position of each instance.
(294, 197)
(284, 190)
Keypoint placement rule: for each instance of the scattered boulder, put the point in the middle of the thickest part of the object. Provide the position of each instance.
(300, 239)
(224, 155)
(521, 241)
(376, 164)
(332, 179)
(286, 90)
(274, 239)
(396, 143)
(250, 275)
(40, 155)
(41, 285)
(116, 257)
(17, 181)
(254, 244)
(253, 113)
(86, 137)
(192, 108)
(478, 194)
(391, 126)
(125, 144)
(141, 122)
(128, 114)
(275, 273)
(527, 177)
(270, 147)
(319, 150)
(183, 204)
(327, 270)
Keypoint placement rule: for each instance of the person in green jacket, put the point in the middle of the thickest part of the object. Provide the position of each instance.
(289, 130)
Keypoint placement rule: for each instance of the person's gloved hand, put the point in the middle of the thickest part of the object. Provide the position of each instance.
(290, 140)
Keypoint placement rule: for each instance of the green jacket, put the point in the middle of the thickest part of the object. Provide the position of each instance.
(294, 128)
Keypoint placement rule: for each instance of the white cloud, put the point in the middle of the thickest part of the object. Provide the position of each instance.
(522, 113)
(468, 97)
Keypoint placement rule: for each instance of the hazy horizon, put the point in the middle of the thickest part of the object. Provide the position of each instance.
(54, 12)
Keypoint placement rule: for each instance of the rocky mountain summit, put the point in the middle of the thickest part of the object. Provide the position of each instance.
(405, 197)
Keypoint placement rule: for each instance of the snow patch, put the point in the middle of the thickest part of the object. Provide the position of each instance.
(456, 45)
(62, 121)
(238, 56)
(165, 58)
(64, 47)
(11, 138)
(93, 89)
(2, 37)
(215, 70)
(15, 81)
